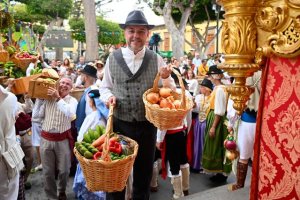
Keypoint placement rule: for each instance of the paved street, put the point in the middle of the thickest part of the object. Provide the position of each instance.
(199, 183)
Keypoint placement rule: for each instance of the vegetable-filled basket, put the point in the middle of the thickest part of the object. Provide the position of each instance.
(106, 174)
(23, 62)
(167, 118)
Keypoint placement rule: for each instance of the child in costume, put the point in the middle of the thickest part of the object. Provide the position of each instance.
(97, 117)
(172, 144)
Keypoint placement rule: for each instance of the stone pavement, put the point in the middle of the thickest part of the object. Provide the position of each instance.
(201, 188)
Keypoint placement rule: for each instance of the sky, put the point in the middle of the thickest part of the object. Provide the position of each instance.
(118, 10)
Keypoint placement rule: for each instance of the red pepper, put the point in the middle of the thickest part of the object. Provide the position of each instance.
(97, 155)
(115, 147)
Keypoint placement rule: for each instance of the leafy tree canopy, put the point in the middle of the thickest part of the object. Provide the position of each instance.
(20, 13)
(109, 32)
(52, 9)
(198, 13)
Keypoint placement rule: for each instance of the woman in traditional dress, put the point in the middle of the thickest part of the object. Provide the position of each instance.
(202, 101)
(216, 131)
(97, 117)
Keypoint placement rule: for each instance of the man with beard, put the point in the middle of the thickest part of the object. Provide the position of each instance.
(88, 79)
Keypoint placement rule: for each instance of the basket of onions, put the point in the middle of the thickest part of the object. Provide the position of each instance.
(164, 107)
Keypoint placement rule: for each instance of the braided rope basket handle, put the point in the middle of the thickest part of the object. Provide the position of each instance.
(183, 98)
(108, 131)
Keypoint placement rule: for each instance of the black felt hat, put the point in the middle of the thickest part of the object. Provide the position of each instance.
(136, 17)
(90, 71)
(214, 70)
(207, 83)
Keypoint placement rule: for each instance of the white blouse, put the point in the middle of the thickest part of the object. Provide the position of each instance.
(220, 100)
(193, 86)
(90, 121)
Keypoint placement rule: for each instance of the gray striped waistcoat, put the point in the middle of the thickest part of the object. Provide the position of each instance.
(129, 88)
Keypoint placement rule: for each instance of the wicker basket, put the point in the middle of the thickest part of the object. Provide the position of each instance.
(23, 63)
(165, 118)
(38, 89)
(21, 85)
(77, 93)
(106, 175)
(4, 55)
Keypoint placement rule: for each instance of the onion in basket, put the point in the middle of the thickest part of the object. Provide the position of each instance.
(165, 92)
(153, 97)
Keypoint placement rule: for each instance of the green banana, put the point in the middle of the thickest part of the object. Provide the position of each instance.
(87, 138)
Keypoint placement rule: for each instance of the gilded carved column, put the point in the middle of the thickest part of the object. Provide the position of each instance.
(239, 42)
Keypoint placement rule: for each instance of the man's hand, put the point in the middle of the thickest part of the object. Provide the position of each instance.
(41, 59)
(10, 82)
(111, 101)
(26, 96)
(53, 93)
(165, 72)
(159, 145)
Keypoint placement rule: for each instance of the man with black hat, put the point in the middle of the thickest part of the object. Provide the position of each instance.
(128, 73)
(88, 78)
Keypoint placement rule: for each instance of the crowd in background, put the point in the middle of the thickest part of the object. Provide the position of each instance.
(205, 83)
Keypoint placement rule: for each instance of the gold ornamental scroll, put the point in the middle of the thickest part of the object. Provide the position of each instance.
(239, 43)
(278, 23)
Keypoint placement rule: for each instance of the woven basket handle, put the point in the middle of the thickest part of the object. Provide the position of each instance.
(108, 131)
(155, 83)
(183, 98)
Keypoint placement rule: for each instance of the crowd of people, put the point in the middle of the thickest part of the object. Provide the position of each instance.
(52, 126)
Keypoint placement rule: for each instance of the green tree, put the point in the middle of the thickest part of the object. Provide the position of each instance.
(47, 12)
(176, 29)
(177, 13)
(109, 32)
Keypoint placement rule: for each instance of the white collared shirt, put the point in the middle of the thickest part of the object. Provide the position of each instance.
(134, 62)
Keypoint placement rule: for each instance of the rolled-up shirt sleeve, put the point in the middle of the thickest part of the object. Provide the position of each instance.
(168, 82)
(107, 84)
(220, 102)
(69, 109)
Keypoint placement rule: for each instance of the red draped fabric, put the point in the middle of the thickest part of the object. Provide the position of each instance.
(276, 163)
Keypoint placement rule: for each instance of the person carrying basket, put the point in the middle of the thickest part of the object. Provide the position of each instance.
(128, 73)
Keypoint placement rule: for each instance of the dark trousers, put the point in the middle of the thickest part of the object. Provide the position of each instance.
(144, 133)
(176, 151)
